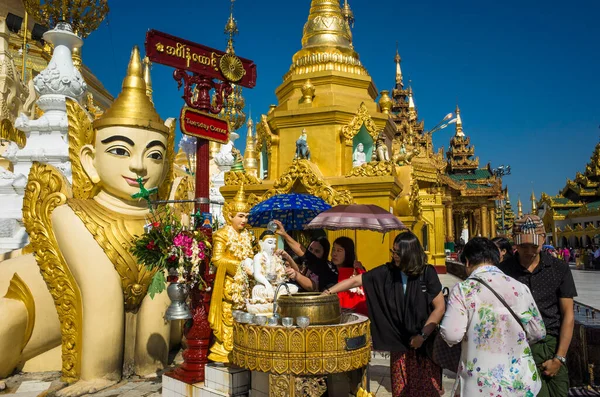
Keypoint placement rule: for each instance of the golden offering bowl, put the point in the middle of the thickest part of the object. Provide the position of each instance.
(320, 309)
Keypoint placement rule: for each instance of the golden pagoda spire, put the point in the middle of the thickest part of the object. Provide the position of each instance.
(459, 129)
(348, 15)
(327, 41)
(250, 155)
(148, 78)
(397, 59)
(231, 29)
(412, 110)
(507, 196)
(533, 202)
(519, 208)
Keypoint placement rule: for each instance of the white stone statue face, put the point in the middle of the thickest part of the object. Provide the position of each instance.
(268, 245)
(360, 147)
(121, 155)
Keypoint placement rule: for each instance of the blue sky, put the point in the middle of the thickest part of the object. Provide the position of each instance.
(526, 74)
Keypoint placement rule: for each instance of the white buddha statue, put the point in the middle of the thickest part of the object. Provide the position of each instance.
(359, 157)
(268, 273)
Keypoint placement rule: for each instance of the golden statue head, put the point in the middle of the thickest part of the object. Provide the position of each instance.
(236, 211)
(130, 140)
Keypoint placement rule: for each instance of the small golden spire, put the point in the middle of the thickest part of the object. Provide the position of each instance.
(385, 102)
(397, 59)
(348, 14)
(231, 29)
(459, 129)
(533, 202)
(519, 208)
(148, 78)
(250, 155)
(132, 107)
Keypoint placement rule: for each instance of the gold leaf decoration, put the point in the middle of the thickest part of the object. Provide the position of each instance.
(236, 178)
(311, 178)
(47, 189)
(362, 117)
(264, 135)
(165, 187)
(9, 133)
(19, 291)
(81, 133)
(375, 168)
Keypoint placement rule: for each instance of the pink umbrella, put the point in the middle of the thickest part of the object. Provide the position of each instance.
(357, 217)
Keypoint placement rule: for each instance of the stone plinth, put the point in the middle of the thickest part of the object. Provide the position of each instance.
(220, 381)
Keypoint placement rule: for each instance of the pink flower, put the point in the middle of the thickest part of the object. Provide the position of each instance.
(188, 252)
(201, 246)
(201, 255)
(182, 240)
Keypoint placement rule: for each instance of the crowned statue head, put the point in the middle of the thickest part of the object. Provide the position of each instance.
(130, 141)
(268, 242)
(236, 211)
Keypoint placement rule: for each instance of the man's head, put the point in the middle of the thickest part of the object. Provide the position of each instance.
(529, 236)
(479, 251)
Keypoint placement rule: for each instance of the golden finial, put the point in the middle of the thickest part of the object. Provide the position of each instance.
(348, 14)
(83, 15)
(519, 208)
(132, 107)
(459, 129)
(250, 155)
(533, 202)
(231, 29)
(385, 102)
(308, 92)
(148, 78)
(397, 59)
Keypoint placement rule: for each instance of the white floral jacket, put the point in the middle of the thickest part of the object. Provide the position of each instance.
(496, 358)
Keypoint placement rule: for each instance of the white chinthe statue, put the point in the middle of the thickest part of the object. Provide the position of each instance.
(359, 157)
(268, 272)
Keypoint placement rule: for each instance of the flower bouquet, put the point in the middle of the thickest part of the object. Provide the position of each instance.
(172, 251)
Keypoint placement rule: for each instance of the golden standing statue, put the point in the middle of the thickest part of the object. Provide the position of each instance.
(233, 250)
(81, 236)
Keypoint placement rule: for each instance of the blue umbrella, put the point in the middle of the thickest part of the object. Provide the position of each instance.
(293, 210)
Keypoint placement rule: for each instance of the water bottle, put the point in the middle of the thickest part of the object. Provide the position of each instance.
(272, 226)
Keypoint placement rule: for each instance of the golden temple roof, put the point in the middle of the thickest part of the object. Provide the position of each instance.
(326, 42)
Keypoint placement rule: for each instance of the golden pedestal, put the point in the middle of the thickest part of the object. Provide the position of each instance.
(298, 361)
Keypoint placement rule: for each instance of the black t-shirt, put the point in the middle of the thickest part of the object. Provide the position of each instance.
(325, 270)
(396, 315)
(549, 281)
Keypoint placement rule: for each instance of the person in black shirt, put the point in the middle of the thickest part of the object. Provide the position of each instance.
(553, 289)
(315, 257)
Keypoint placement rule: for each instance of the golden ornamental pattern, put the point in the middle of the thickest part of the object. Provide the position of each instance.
(312, 351)
(310, 386)
(9, 133)
(375, 168)
(184, 191)
(165, 187)
(309, 176)
(47, 189)
(264, 135)
(81, 133)
(114, 233)
(236, 178)
(362, 117)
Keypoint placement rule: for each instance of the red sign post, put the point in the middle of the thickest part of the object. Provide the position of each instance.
(196, 68)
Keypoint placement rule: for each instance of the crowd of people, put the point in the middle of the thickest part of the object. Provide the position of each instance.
(512, 316)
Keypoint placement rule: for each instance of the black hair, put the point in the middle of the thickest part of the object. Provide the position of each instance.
(480, 250)
(503, 244)
(267, 233)
(324, 243)
(349, 254)
(413, 258)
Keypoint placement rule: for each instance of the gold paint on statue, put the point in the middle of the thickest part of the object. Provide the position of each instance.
(265, 136)
(81, 133)
(9, 133)
(376, 168)
(47, 189)
(237, 178)
(19, 291)
(114, 233)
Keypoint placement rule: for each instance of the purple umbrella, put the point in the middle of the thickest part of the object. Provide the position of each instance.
(357, 217)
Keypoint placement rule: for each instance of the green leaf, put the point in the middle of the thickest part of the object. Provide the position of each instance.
(157, 285)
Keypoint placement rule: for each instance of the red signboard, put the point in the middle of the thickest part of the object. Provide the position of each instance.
(183, 54)
(204, 126)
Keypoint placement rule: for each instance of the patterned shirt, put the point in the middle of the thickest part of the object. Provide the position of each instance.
(549, 281)
(496, 358)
